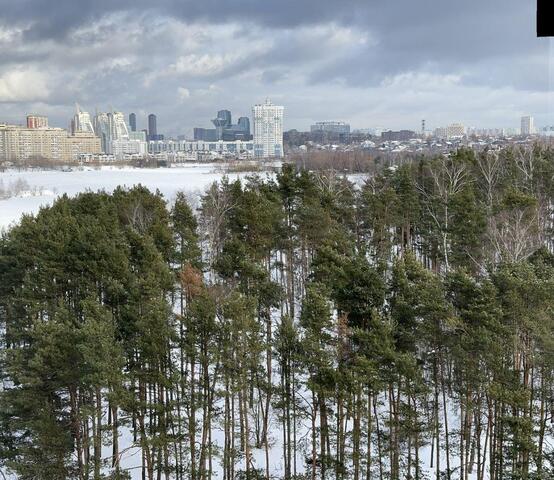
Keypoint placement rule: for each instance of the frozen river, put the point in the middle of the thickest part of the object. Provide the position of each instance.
(40, 188)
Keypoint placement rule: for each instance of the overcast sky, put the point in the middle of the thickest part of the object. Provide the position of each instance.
(372, 63)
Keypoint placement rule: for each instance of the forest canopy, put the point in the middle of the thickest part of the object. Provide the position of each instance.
(293, 326)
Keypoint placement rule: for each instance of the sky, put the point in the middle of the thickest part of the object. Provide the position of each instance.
(372, 63)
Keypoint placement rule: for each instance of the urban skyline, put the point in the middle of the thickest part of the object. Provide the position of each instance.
(513, 126)
(83, 121)
(112, 135)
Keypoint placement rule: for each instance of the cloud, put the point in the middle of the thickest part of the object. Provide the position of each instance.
(373, 63)
(183, 93)
(23, 85)
(202, 65)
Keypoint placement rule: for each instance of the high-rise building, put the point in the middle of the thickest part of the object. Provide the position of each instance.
(238, 131)
(268, 130)
(152, 127)
(225, 129)
(225, 116)
(119, 126)
(133, 122)
(527, 125)
(81, 122)
(110, 127)
(37, 121)
(244, 124)
(340, 128)
(103, 130)
(222, 122)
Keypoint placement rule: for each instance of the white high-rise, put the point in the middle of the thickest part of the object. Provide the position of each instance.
(81, 122)
(119, 126)
(527, 125)
(268, 130)
(111, 127)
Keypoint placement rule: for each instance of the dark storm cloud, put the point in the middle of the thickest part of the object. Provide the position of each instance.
(446, 38)
(56, 19)
(129, 52)
(410, 33)
(449, 27)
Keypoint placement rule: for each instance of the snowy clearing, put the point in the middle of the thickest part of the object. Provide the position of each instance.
(45, 186)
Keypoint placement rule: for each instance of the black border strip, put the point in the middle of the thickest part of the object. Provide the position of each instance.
(545, 18)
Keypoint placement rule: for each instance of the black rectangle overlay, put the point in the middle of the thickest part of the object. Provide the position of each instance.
(545, 18)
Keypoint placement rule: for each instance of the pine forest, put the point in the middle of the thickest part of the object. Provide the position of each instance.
(297, 325)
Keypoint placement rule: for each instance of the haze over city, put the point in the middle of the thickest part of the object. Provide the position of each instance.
(371, 64)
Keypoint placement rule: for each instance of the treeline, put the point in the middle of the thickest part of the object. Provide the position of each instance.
(298, 327)
(354, 161)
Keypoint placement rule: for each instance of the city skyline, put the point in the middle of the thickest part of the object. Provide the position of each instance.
(367, 65)
(328, 124)
(112, 135)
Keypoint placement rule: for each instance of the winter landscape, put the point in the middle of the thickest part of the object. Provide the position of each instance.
(276, 240)
(287, 325)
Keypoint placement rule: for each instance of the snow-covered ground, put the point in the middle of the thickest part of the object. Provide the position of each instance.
(46, 186)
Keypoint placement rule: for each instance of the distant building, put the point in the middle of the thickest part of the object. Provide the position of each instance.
(83, 143)
(81, 122)
(527, 125)
(102, 128)
(135, 144)
(244, 125)
(268, 130)
(128, 148)
(186, 150)
(547, 131)
(454, 130)
(110, 127)
(119, 126)
(441, 132)
(511, 131)
(492, 132)
(141, 136)
(374, 132)
(238, 131)
(222, 122)
(224, 129)
(152, 127)
(19, 144)
(133, 122)
(205, 134)
(398, 136)
(37, 121)
(340, 128)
